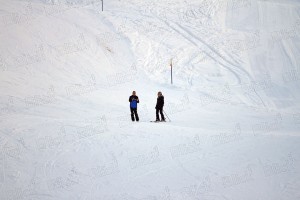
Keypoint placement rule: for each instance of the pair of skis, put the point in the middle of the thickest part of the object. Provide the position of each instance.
(162, 121)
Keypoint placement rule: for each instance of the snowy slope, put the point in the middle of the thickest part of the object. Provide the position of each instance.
(67, 70)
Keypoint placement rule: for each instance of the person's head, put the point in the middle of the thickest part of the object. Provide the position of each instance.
(133, 93)
(159, 94)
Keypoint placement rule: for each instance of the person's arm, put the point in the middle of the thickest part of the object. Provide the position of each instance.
(162, 101)
(137, 99)
(130, 99)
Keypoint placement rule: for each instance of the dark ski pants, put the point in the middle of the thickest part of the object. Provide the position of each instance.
(160, 110)
(134, 114)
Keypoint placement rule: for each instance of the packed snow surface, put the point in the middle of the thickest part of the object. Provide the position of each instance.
(67, 69)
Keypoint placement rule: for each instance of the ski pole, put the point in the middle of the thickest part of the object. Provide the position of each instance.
(167, 115)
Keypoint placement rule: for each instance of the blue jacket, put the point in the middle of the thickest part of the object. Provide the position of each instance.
(134, 100)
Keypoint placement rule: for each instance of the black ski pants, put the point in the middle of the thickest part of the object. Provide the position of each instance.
(134, 114)
(160, 110)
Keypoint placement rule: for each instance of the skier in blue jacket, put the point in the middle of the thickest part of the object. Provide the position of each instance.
(134, 100)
